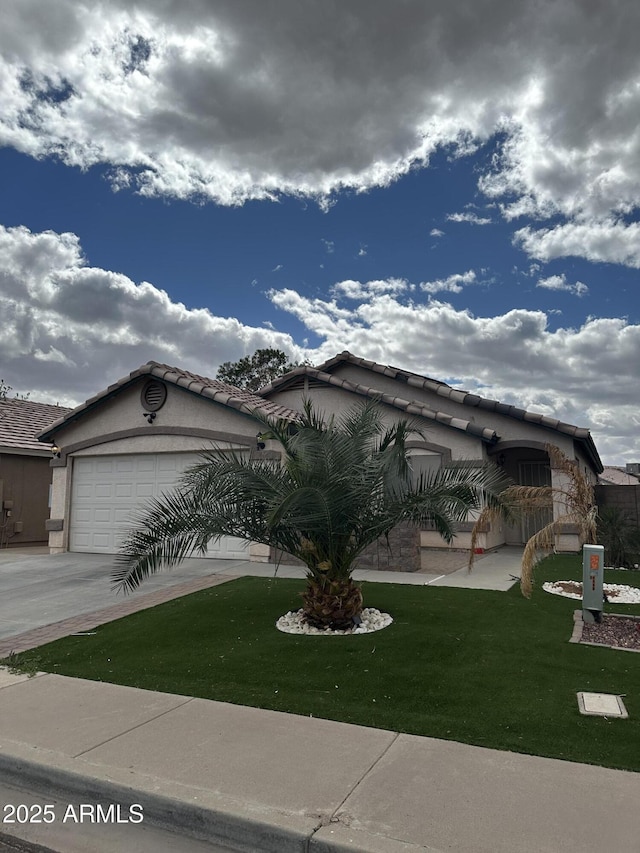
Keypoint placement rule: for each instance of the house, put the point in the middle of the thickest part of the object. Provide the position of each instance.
(456, 425)
(132, 441)
(614, 475)
(25, 474)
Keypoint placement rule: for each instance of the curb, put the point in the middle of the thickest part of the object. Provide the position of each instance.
(338, 838)
(195, 813)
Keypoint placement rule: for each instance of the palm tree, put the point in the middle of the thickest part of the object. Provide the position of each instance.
(341, 484)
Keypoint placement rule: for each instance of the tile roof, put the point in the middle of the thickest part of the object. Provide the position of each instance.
(249, 402)
(411, 407)
(323, 371)
(221, 392)
(211, 389)
(22, 420)
(615, 476)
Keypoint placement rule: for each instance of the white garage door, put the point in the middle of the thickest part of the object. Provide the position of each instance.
(108, 489)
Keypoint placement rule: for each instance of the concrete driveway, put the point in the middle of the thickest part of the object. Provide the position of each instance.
(37, 589)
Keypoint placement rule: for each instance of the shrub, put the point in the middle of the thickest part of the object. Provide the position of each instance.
(620, 537)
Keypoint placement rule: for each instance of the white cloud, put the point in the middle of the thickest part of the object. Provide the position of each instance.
(69, 329)
(436, 232)
(453, 283)
(608, 241)
(329, 246)
(350, 289)
(559, 282)
(227, 102)
(513, 357)
(471, 218)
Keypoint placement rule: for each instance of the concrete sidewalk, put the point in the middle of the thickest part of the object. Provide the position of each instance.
(259, 780)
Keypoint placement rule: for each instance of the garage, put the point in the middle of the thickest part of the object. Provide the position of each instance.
(108, 490)
(132, 441)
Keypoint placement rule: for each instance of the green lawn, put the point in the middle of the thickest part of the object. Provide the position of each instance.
(480, 667)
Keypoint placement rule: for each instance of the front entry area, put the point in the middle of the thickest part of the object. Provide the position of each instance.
(536, 473)
(108, 491)
(526, 466)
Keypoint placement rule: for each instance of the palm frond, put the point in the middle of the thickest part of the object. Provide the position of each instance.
(167, 532)
(516, 502)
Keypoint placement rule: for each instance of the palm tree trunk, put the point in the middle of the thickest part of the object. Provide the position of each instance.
(335, 604)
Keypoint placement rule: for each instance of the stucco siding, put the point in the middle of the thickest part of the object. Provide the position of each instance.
(182, 408)
(331, 400)
(24, 480)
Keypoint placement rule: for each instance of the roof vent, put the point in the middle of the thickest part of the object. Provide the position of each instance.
(153, 395)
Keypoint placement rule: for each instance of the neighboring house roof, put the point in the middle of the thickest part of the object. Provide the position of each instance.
(22, 420)
(614, 476)
(210, 389)
(324, 373)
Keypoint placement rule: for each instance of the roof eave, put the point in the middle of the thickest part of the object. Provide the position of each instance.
(411, 407)
(175, 378)
(90, 404)
(12, 450)
(591, 451)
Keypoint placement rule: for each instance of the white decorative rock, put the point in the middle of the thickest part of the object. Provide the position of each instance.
(372, 620)
(616, 592)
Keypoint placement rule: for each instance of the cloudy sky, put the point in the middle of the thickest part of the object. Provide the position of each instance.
(449, 187)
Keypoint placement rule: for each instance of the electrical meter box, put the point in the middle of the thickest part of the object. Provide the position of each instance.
(592, 577)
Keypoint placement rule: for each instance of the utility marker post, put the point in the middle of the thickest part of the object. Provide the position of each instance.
(592, 576)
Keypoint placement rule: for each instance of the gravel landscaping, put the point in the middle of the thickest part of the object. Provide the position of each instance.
(371, 620)
(619, 632)
(615, 593)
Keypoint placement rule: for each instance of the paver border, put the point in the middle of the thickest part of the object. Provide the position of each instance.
(576, 636)
(85, 621)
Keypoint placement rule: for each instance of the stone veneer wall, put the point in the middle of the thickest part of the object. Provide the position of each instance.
(402, 555)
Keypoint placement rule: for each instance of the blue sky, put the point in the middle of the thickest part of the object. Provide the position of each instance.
(452, 191)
